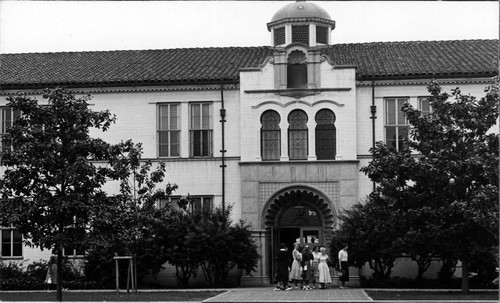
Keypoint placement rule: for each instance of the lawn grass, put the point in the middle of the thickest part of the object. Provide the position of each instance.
(110, 296)
(450, 295)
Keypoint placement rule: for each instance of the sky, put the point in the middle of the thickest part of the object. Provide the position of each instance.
(56, 26)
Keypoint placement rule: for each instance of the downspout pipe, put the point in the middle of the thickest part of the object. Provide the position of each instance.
(373, 110)
(223, 150)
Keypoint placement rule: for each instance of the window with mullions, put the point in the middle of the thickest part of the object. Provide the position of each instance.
(169, 130)
(7, 116)
(270, 135)
(168, 202)
(297, 135)
(396, 125)
(202, 203)
(201, 130)
(326, 135)
(11, 243)
(71, 252)
(424, 106)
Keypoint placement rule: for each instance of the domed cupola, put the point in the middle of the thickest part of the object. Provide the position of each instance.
(301, 22)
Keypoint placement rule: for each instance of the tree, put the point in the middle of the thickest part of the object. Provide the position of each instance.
(129, 223)
(372, 231)
(224, 245)
(182, 247)
(450, 171)
(51, 188)
(209, 240)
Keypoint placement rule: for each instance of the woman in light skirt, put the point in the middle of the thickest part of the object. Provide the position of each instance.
(296, 270)
(323, 269)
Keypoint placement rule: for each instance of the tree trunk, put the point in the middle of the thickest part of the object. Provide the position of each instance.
(59, 274)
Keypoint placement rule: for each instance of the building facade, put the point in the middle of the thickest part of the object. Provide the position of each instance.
(278, 132)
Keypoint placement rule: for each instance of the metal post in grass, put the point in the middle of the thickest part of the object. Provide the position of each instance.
(131, 273)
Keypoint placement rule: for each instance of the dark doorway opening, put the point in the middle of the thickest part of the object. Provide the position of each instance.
(289, 236)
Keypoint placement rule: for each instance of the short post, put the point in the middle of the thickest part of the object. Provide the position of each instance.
(131, 273)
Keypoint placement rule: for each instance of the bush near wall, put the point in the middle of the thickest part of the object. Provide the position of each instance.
(15, 276)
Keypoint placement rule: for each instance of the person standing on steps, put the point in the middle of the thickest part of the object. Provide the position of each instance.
(282, 260)
(306, 263)
(296, 270)
(323, 269)
(344, 266)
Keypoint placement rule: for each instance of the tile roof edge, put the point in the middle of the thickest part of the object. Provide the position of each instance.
(246, 47)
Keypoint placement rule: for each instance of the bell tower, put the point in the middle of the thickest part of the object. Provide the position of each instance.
(298, 31)
(301, 22)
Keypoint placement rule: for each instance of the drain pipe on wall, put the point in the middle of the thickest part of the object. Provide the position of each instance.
(373, 110)
(223, 150)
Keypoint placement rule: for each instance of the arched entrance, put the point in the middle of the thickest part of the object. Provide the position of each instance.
(297, 215)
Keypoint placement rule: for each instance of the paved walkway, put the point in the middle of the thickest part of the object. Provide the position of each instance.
(266, 294)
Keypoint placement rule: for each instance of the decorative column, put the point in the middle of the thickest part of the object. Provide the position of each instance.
(311, 129)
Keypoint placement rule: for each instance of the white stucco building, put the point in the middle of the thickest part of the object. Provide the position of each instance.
(280, 132)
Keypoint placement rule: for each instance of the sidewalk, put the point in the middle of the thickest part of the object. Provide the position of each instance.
(261, 295)
(350, 295)
(265, 294)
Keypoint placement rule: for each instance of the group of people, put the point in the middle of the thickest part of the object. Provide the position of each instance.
(309, 266)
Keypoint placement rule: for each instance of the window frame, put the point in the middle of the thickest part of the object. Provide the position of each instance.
(204, 130)
(320, 134)
(400, 130)
(419, 105)
(161, 203)
(204, 200)
(11, 244)
(301, 33)
(296, 153)
(14, 114)
(160, 129)
(268, 135)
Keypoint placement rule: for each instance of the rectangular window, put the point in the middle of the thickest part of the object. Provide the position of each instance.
(424, 106)
(201, 130)
(7, 116)
(202, 204)
(321, 34)
(298, 144)
(300, 33)
(169, 130)
(71, 252)
(168, 202)
(396, 125)
(271, 144)
(279, 36)
(11, 243)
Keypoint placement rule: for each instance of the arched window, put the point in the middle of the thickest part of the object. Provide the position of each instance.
(270, 135)
(326, 135)
(297, 70)
(297, 135)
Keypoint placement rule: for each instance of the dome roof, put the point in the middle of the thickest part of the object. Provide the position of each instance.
(301, 9)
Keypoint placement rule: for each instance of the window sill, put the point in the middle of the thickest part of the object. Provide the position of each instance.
(12, 258)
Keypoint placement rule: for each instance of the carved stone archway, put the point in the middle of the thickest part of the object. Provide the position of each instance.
(291, 197)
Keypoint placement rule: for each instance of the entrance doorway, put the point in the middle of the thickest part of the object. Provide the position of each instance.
(296, 216)
(297, 224)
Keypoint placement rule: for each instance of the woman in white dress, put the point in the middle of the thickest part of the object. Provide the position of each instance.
(296, 270)
(323, 269)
